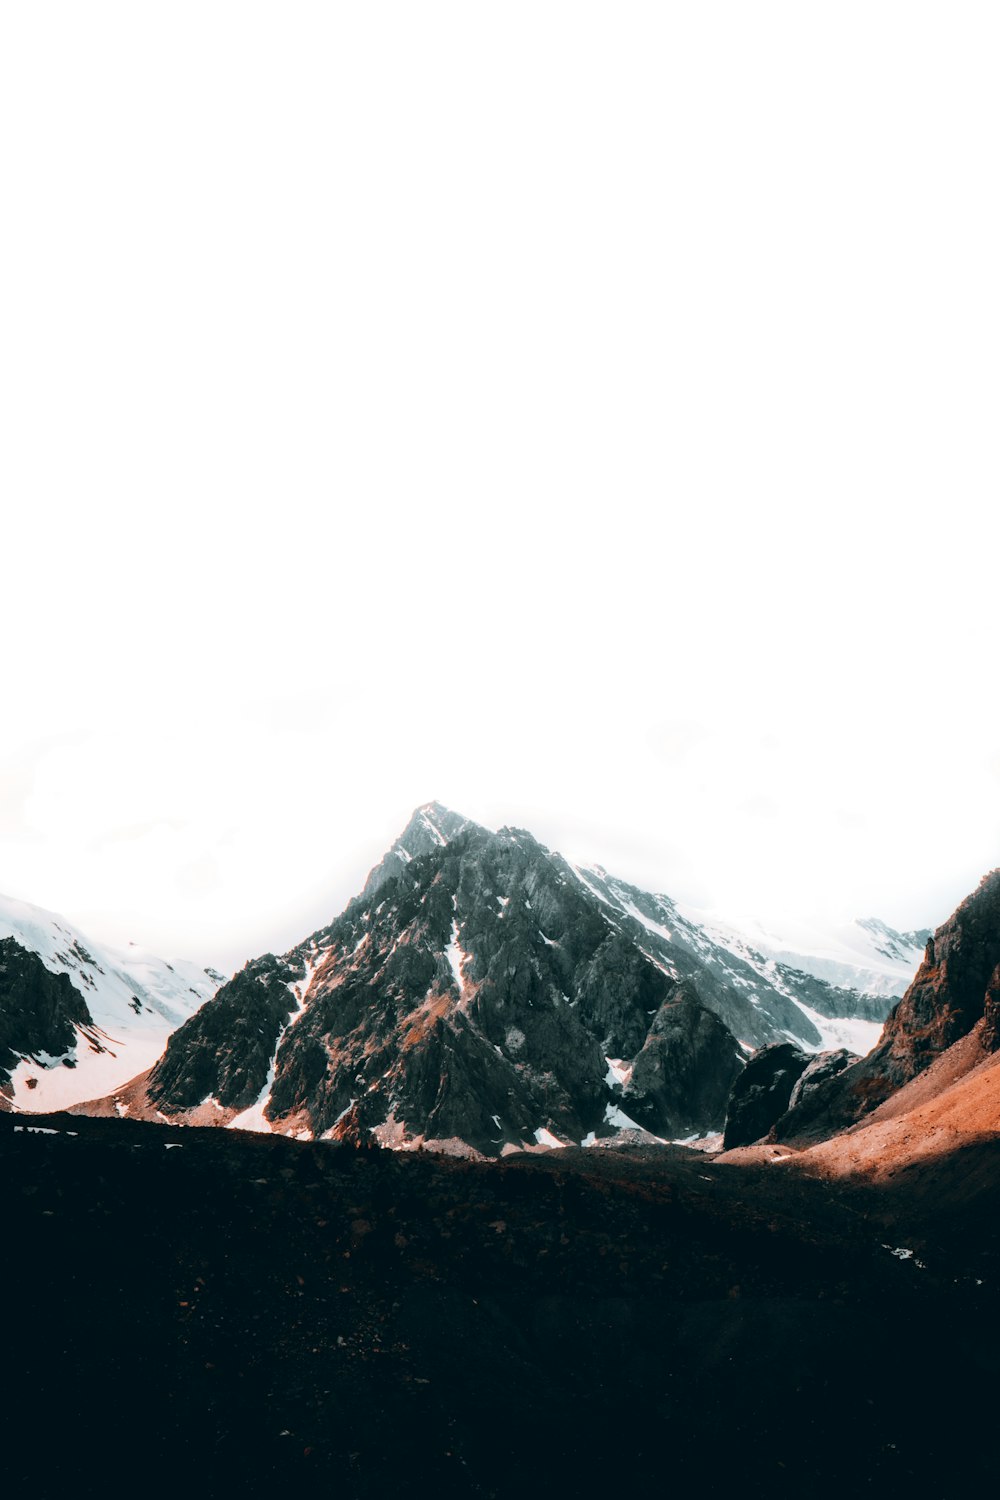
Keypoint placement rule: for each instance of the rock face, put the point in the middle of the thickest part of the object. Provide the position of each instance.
(478, 992)
(39, 1010)
(776, 1082)
(227, 1047)
(991, 1013)
(957, 988)
(684, 1064)
(807, 1095)
(762, 1092)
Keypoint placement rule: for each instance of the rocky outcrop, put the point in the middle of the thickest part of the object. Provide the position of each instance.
(762, 1092)
(777, 1082)
(807, 1098)
(39, 1010)
(683, 1075)
(956, 989)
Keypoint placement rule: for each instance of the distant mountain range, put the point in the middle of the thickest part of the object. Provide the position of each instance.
(482, 993)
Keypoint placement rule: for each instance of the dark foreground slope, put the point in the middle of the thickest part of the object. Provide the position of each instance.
(202, 1312)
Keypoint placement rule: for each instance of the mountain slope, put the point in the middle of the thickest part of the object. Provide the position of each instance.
(78, 1018)
(953, 1105)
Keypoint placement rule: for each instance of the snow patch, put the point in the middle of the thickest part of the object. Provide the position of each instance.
(618, 1074)
(850, 1032)
(253, 1118)
(457, 958)
(620, 1120)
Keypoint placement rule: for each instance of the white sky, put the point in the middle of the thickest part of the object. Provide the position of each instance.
(583, 414)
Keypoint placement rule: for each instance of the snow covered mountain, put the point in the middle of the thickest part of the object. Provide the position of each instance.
(78, 1018)
(483, 992)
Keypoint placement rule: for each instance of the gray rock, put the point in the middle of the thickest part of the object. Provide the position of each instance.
(762, 1092)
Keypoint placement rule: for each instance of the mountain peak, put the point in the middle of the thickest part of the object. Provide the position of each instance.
(431, 826)
(435, 818)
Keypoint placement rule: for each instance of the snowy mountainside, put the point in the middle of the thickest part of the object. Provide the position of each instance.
(866, 955)
(131, 1002)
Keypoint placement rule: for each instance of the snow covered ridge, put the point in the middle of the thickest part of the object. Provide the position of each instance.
(135, 1000)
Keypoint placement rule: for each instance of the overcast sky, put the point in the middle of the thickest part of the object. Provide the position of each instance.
(585, 415)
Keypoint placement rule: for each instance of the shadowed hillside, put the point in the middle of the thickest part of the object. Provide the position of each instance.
(230, 1314)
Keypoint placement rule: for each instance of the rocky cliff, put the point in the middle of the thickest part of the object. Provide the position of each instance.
(39, 1012)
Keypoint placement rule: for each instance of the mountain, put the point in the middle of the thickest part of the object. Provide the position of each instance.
(482, 993)
(946, 1026)
(476, 995)
(78, 1018)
